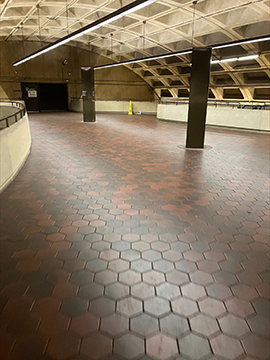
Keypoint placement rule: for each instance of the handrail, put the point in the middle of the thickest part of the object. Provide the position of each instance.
(241, 104)
(17, 115)
(232, 103)
(107, 99)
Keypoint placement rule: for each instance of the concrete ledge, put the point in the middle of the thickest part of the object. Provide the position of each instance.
(14, 149)
(228, 117)
(118, 107)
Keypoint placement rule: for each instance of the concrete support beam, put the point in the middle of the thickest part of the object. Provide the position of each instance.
(88, 94)
(199, 85)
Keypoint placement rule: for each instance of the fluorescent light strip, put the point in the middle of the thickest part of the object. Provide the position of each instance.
(239, 58)
(248, 57)
(125, 10)
(144, 59)
(241, 42)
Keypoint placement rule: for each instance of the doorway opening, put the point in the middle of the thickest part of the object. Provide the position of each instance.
(45, 97)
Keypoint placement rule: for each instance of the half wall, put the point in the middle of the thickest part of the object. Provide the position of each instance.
(15, 144)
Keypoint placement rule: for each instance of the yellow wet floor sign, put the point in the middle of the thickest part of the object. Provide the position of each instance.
(130, 108)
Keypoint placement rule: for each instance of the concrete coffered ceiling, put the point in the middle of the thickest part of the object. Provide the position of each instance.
(162, 27)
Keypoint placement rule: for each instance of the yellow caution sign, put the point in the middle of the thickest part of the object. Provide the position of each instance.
(130, 108)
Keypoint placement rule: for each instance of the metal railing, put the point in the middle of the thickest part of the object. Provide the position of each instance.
(111, 99)
(10, 119)
(239, 104)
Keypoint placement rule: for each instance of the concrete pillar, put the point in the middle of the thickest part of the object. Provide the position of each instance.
(199, 84)
(88, 94)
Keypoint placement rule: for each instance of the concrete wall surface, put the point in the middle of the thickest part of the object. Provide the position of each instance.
(120, 107)
(15, 144)
(117, 83)
(237, 118)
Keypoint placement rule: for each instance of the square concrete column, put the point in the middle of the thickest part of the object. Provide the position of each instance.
(199, 85)
(88, 94)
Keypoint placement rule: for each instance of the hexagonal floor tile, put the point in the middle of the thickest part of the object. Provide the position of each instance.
(164, 266)
(193, 291)
(153, 277)
(157, 306)
(117, 291)
(130, 255)
(91, 291)
(118, 265)
(151, 255)
(168, 291)
(226, 347)
(257, 347)
(239, 307)
(129, 346)
(177, 277)
(212, 307)
(96, 265)
(63, 345)
(218, 291)
(82, 277)
(193, 346)
(201, 278)
(185, 266)
(129, 306)
(259, 325)
(97, 345)
(204, 325)
(185, 307)
(232, 325)
(109, 255)
(142, 291)
(114, 324)
(129, 277)
(141, 266)
(74, 306)
(106, 277)
(144, 325)
(161, 346)
(84, 324)
(174, 325)
(102, 306)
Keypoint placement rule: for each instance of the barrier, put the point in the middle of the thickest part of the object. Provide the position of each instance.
(220, 116)
(15, 144)
(117, 107)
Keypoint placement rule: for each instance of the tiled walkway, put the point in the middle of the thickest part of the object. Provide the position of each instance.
(118, 244)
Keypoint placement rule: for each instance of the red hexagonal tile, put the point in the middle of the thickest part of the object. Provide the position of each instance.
(97, 345)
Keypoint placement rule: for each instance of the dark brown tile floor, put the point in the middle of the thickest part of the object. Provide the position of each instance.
(118, 244)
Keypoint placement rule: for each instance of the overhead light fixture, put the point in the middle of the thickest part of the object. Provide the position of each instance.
(248, 57)
(125, 10)
(233, 43)
(242, 42)
(239, 58)
(144, 59)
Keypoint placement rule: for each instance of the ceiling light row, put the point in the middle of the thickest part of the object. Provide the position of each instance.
(239, 58)
(125, 10)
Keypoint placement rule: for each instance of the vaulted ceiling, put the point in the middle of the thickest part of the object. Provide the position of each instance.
(162, 27)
